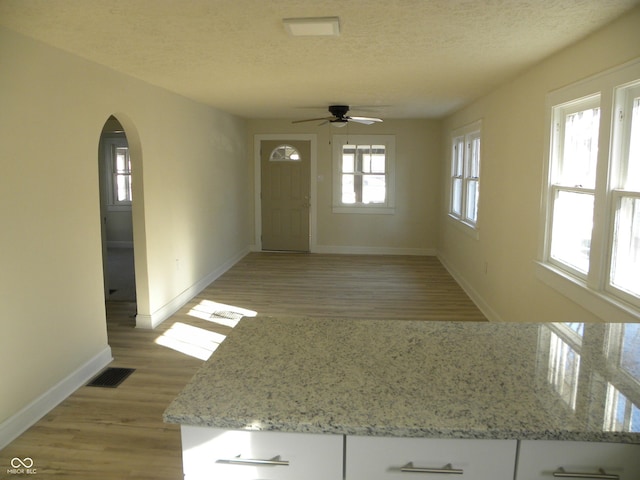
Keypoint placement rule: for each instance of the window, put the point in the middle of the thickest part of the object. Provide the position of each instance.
(116, 172)
(364, 180)
(591, 211)
(624, 274)
(285, 153)
(465, 175)
(573, 182)
(121, 175)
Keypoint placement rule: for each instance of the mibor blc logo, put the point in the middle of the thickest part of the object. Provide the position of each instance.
(22, 466)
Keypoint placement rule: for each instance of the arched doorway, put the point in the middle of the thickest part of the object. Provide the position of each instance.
(116, 213)
(130, 184)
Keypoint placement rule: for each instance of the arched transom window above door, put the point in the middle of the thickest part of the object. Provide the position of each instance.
(284, 153)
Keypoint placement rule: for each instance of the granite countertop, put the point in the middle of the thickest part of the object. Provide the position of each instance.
(421, 379)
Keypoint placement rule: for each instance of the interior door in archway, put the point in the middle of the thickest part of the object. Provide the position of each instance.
(285, 194)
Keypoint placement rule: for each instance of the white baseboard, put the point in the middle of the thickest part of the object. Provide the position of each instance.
(156, 318)
(350, 250)
(17, 424)
(475, 297)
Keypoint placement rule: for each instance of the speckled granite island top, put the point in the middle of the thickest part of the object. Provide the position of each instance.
(421, 379)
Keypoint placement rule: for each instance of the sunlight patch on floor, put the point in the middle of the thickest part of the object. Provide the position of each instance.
(220, 313)
(193, 341)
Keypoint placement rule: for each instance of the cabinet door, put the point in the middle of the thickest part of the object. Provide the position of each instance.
(209, 453)
(382, 458)
(543, 460)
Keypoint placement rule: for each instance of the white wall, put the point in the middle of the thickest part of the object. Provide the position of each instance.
(513, 146)
(413, 227)
(190, 211)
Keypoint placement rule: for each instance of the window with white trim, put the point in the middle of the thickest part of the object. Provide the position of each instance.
(465, 174)
(624, 272)
(364, 168)
(121, 175)
(573, 181)
(592, 199)
(117, 172)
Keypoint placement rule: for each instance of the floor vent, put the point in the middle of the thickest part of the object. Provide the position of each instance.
(111, 377)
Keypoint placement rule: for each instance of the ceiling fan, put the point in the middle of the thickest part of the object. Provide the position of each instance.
(339, 117)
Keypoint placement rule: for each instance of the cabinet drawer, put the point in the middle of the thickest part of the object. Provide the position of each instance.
(209, 453)
(381, 458)
(545, 459)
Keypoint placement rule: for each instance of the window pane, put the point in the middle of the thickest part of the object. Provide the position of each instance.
(456, 196)
(348, 163)
(123, 164)
(571, 229)
(458, 156)
(632, 181)
(378, 159)
(474, 158)
(373, 189)
(348, 189)
(625, 262)
(472, 200)
(284, 153)
(580, 149)
(123, 188)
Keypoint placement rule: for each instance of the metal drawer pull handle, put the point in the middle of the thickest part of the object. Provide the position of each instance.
(273, 462)
(600, 475)
(446, 469)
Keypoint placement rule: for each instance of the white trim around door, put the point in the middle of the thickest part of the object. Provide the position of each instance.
(257, 139)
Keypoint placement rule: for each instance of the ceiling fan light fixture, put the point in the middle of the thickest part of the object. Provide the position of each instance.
(312, 26)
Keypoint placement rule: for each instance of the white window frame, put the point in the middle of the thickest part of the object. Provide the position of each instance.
(464, 172)
(110, 144)
(558, 185)
(338, 142)
(593, 290)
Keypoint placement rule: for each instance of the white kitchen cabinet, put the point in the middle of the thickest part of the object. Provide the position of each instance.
(218, 454)
(210, 453)
(382, 458)
(546, 459)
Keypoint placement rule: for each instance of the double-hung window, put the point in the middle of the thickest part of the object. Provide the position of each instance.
(116, 171)
(465, 175)
(121, 175)
(591, 210)
(624, 271)
(573, 181)
(364, 178)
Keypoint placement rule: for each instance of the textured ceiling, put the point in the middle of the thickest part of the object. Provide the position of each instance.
(412, 58)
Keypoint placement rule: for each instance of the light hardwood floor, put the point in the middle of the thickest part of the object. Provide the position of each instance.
(101, 433)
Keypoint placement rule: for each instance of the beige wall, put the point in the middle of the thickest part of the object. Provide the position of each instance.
(190, 206)
(513, 145)
(412, 229)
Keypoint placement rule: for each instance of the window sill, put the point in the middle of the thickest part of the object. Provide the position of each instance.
(601, 304)
(365, 210)
(464, 227)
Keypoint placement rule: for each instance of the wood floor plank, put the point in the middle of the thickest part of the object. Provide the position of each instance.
(102, 433)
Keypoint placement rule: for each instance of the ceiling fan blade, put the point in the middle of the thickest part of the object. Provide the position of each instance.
(313, 119)
(364, 120)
